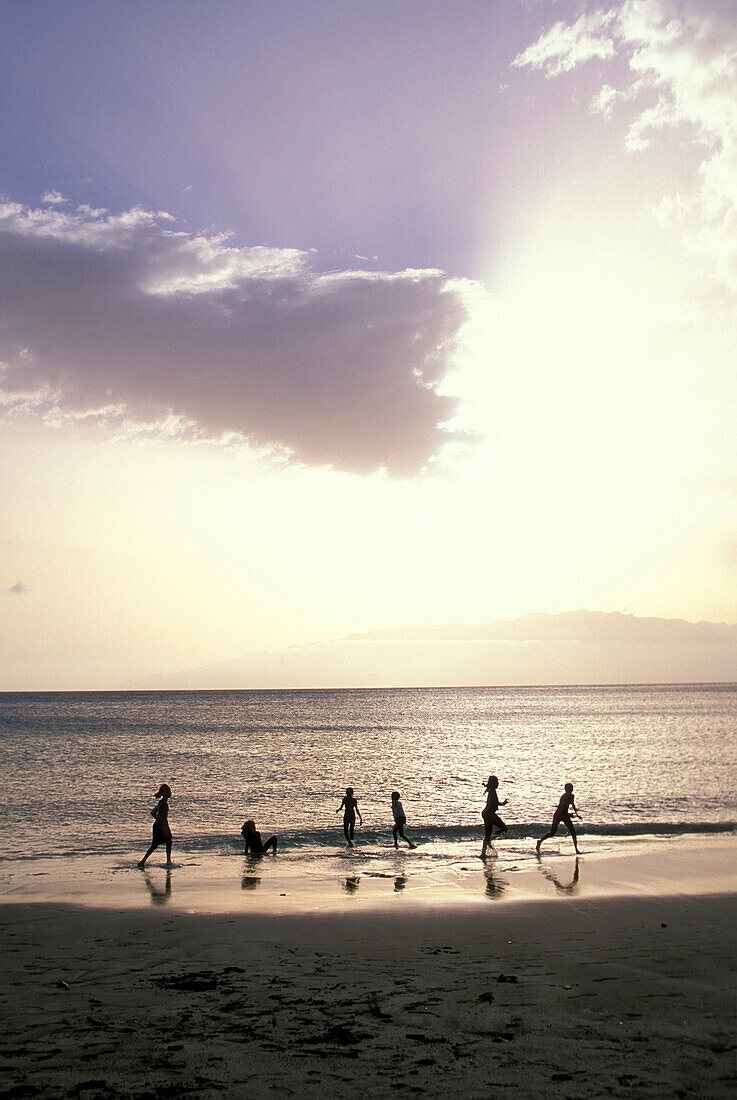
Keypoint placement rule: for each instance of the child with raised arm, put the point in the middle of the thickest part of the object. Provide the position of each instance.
(161, 830)
(490, 816)
(399, 821)
(349, 805)
(562, 816)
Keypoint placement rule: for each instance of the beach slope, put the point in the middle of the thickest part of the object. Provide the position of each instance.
(568, 997)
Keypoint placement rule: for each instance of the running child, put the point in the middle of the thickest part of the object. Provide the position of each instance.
(562, 816)
(399, 821)
(490, 816)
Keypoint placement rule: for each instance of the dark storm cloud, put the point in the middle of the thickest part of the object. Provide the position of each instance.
(122, 318)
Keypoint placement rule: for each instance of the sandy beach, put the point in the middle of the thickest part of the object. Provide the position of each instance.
(588, 994)
(368, 549)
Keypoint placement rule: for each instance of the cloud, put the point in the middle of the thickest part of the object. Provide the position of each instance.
(604, 100)
(565, 45)
(126, 320)
(683, 62)
(17, 589)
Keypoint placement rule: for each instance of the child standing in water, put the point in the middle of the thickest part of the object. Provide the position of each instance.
(161, 830)
(489, 814)
(349, 805)
(562, 816)
(399, 821)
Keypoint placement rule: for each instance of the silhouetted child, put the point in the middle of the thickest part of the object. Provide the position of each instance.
(562, 816)
(252, 838)
(490, 816)
(349, 805)
(161, 830)
(399, 821)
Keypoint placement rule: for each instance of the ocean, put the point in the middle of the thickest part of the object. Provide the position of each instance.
(80, 770)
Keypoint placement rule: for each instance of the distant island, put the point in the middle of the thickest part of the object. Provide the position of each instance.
(574, 647)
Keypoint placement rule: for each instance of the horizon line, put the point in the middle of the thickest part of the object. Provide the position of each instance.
(407, 687)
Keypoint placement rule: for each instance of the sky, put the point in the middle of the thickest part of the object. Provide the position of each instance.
(326, 318)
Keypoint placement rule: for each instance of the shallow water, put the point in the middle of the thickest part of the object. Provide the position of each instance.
(80, 769)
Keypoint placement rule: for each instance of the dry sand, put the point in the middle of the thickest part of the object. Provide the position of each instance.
(576, 997)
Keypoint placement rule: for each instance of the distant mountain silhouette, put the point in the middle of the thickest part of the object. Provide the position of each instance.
(568, 626)
(575, 647)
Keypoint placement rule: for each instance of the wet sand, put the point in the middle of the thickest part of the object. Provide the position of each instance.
(571, 995)
(368, 878)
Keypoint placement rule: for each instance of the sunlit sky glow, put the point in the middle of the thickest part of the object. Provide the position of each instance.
(332, 317)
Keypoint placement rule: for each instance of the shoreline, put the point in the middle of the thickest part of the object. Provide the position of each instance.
(295, 882)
